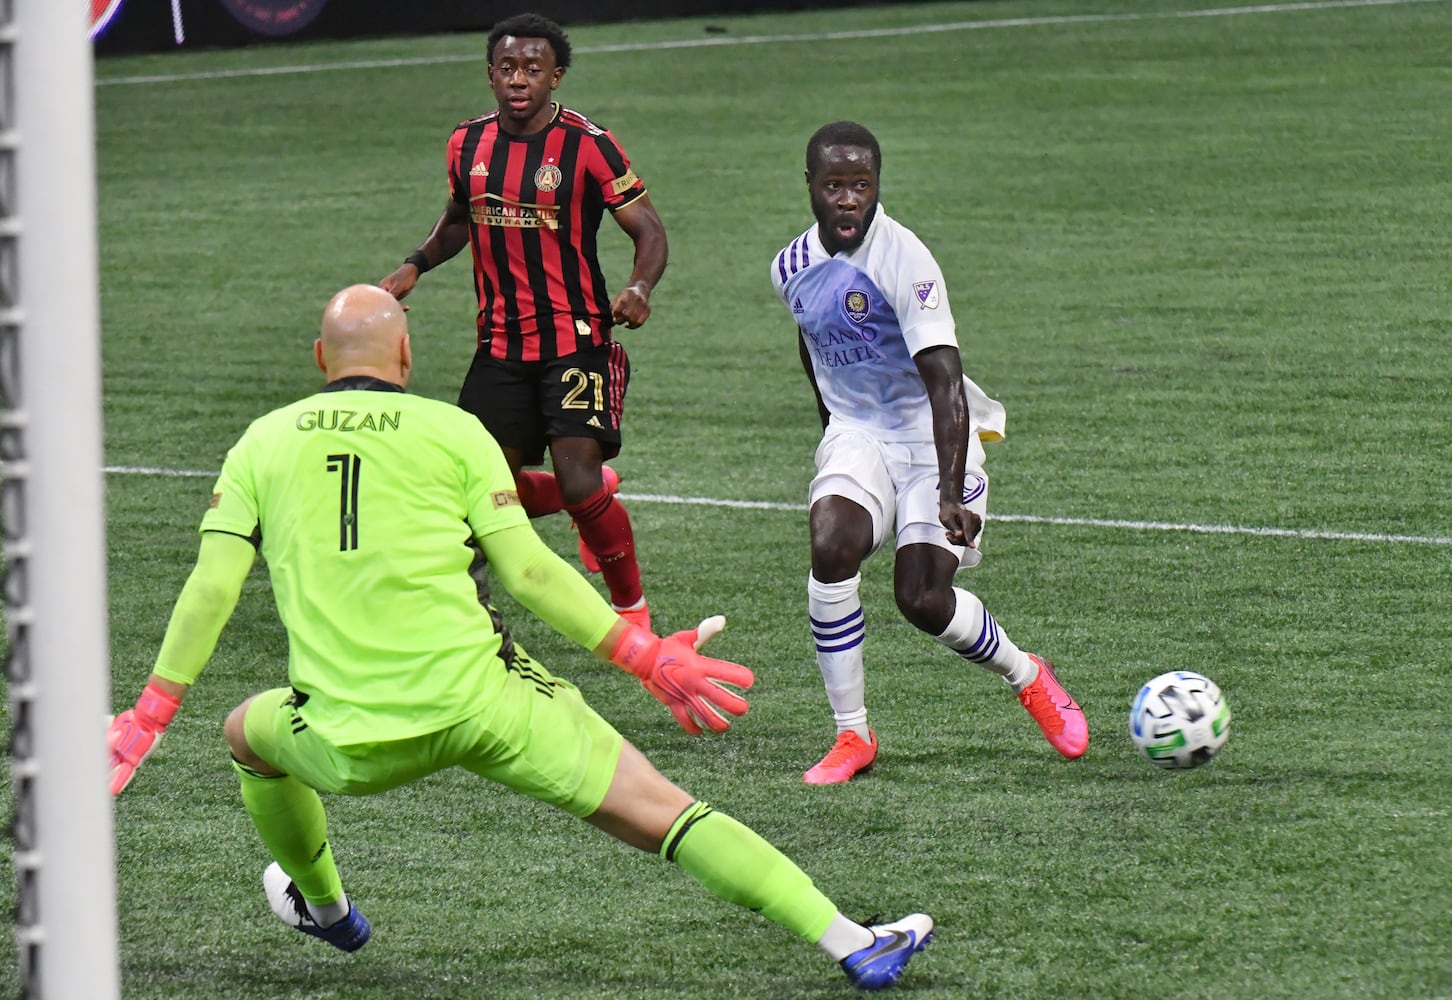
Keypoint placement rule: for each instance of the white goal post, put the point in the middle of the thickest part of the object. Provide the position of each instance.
(58, 663)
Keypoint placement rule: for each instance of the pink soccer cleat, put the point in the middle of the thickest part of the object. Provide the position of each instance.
(1058, 715)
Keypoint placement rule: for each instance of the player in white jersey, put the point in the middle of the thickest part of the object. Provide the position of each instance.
(902, 449)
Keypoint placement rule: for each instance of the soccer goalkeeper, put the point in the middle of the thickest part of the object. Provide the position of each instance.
(376, 512)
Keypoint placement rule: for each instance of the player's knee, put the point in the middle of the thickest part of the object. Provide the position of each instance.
(579, 484)
(235, 731)
(835, 556)
(830, 566)
(927, 609)
(840, 518)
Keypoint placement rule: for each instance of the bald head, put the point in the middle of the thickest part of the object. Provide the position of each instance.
(364, 332)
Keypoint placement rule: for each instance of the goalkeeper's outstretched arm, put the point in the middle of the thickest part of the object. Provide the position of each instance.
(206, 602)
(671, 669)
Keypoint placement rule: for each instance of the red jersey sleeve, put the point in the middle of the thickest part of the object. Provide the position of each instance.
(609, 167)
(458, 180)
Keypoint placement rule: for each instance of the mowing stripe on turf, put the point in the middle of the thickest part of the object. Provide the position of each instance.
(1087, 522)
(820, 36)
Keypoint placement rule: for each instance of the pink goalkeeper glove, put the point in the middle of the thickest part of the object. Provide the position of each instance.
(683, 680)
(136, 732)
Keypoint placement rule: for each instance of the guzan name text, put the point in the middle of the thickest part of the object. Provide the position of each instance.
(347, 420)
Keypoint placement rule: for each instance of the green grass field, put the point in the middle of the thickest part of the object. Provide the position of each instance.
(1203, 260)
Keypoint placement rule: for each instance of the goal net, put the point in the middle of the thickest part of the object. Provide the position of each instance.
(52, 500)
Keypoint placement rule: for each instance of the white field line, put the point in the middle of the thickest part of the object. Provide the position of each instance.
(1088, 522)
(731, 40)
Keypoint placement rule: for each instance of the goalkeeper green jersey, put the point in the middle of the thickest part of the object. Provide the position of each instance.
(365, 503)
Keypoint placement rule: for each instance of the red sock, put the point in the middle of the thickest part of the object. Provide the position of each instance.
(605, 528)
(539, 492)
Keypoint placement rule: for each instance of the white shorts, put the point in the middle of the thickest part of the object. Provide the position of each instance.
(897, 483)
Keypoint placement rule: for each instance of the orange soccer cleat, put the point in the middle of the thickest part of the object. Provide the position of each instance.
(636, 616)
(850, 755)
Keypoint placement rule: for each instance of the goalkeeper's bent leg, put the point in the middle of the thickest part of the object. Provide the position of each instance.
(736, 864)
(290, 818)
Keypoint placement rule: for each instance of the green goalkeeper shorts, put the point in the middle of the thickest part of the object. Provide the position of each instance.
(537, 737)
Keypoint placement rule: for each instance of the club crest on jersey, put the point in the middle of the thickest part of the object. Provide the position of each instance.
(548, 177)
(856, 304)
(927, 293)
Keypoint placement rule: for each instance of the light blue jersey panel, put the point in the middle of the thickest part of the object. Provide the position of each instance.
(858, 353)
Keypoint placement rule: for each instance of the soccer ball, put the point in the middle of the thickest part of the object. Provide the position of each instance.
(1179, 720)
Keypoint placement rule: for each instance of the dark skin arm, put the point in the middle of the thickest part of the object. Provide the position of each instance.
(449, 235)
(812, 378)
(942, 372)
(631, 305)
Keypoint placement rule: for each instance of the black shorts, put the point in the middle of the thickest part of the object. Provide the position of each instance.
(525, 404)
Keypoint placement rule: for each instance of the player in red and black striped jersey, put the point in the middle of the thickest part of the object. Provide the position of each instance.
(529, 184)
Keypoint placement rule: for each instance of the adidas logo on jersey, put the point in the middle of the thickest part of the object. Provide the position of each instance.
(594, 422)
(479, 170)
(797, 306)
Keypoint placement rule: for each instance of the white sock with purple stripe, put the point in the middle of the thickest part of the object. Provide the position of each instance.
(839, 631)
(974, 635)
